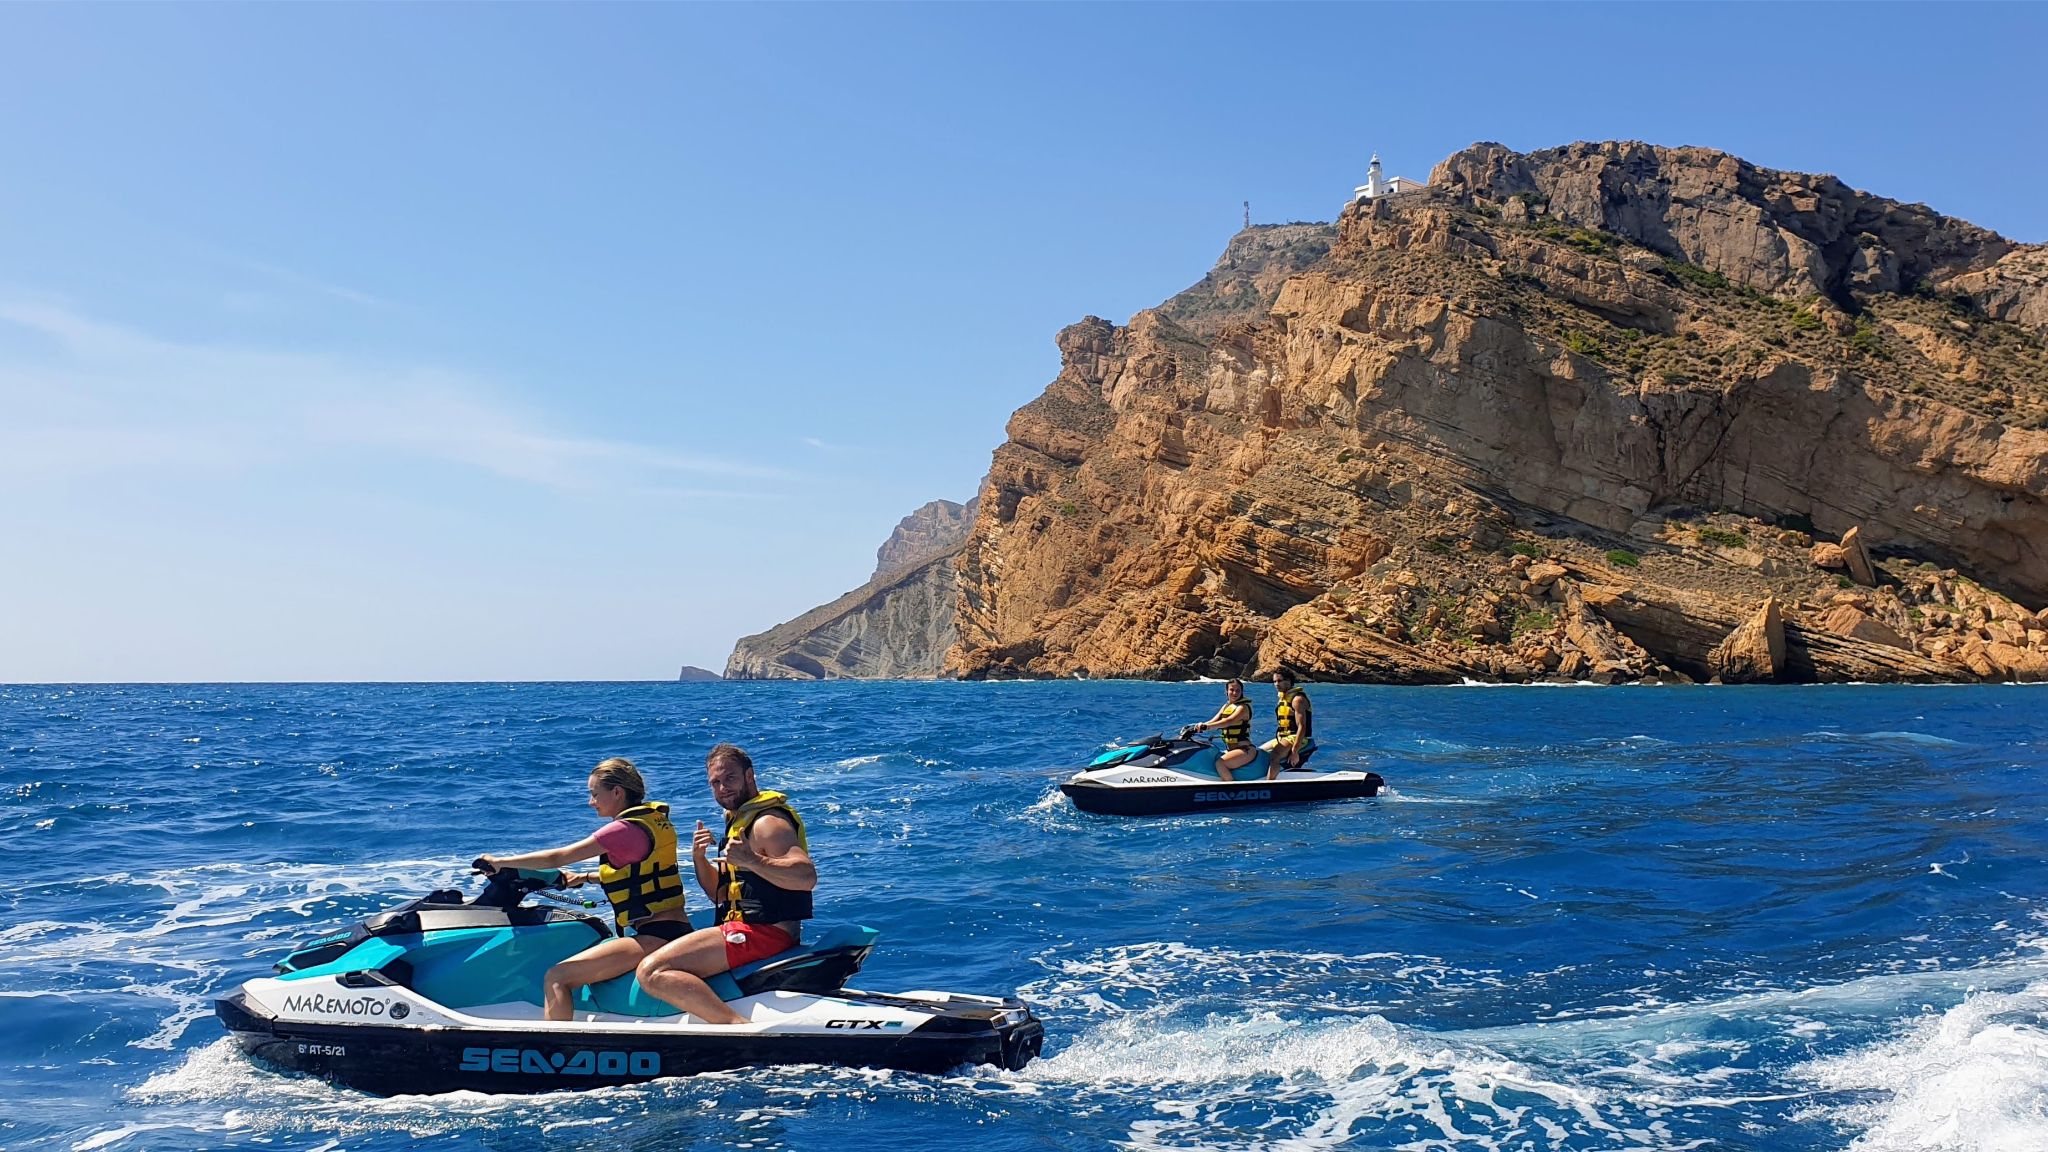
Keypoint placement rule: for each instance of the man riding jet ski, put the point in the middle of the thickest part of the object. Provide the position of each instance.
(490, 995)
(441, 994)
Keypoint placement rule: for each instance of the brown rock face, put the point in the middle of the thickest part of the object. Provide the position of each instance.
(1755, 651)
(1781, 233)
(940, 526)
(1571, 413)
(1855, 624)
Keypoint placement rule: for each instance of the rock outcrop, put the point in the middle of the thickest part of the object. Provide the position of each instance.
(1572, 413)
(940, 526)
(1755, 651)
(691, 674)
(897, 626)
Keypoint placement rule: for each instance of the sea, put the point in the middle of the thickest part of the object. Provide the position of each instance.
(1720, 918)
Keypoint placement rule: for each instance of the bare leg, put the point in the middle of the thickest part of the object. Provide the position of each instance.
(1283, 753)
(1234, 759)
(676, 972)
(594, 964)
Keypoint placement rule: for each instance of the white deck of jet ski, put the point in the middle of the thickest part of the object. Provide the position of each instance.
(766, 1011)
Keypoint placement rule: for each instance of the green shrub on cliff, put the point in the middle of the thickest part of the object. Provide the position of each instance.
(1623, 558)
(1694, 275)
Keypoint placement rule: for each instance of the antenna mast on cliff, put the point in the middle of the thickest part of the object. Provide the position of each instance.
(1247, 214)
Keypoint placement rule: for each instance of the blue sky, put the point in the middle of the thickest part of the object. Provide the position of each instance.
(479, 342)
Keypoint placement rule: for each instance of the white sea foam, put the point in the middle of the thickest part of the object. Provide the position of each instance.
(1266, 1080)
(114, 1136)
(1309, 1071)
(1971, 1079)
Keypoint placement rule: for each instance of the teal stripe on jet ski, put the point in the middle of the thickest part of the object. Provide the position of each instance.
(368, 956)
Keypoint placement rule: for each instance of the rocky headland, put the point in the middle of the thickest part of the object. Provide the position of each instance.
(1609, 411)
(898, 625)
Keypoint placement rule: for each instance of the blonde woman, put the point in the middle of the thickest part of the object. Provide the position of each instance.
(637, 869)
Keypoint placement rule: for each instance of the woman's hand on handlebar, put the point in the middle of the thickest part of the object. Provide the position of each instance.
(488, 865)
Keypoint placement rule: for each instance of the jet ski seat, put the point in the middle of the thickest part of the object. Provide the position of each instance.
(829, 955)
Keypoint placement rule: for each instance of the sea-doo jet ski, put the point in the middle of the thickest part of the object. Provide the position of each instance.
(1158, 775)
(442, 994)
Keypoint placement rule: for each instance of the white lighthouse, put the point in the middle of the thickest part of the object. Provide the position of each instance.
(1378, 184)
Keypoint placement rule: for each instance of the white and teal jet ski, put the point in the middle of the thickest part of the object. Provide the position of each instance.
(1157, 776)
(442, 994)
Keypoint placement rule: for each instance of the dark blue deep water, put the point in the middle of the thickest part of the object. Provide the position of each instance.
(1658, 918)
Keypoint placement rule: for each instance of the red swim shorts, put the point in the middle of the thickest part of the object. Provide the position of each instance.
(746, 943)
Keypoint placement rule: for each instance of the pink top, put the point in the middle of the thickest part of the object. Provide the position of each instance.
(624, 844)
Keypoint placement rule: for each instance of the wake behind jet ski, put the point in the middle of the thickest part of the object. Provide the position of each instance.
(1158, 775)
(442, 994)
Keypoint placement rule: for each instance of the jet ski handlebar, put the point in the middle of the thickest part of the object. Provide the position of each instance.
(506, 887)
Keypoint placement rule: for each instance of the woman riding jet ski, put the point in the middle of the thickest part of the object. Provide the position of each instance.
(492, 995)
(1189, 773)
(441, 995)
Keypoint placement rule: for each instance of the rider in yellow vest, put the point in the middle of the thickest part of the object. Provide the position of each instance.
(637, 870)
(762, 891)
(1234, 722)
(1293, 726)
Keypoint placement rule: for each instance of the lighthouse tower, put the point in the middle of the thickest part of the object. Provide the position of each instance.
(1378, 183)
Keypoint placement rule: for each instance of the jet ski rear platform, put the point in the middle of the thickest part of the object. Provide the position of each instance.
(1160, 776)
(440, 995)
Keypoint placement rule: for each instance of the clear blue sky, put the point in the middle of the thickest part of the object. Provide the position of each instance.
(462, 341)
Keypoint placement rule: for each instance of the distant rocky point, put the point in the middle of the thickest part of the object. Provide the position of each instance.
(897, 626)
(692, 674)
(1609, 411)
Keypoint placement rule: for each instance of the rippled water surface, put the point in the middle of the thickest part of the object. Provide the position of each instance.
(1672, 918)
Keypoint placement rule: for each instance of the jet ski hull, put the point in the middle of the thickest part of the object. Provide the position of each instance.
(1205, 796)
(394, 1058)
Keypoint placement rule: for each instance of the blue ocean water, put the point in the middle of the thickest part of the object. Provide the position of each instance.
(1659, 918)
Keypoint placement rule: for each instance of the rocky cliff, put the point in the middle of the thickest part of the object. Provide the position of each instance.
(940, 526)
(1609, 410)
(898, 625)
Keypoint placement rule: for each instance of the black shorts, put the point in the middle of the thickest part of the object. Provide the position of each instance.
(662, 930)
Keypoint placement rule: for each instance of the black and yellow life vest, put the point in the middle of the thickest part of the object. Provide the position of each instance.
(746, 896)
(1283, 713)
(1238, 733)
(653, 885)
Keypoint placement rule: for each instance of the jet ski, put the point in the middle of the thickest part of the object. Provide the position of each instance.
(1158, 775)
(442, 994)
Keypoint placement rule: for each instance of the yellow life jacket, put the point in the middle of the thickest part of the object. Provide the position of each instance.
(653, 885)
(748, 897)
(1283, 713)
(1237, 733)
